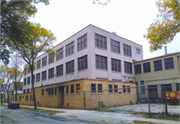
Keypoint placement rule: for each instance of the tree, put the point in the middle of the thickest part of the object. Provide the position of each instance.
(6, 78)
(36, 40)
(16, 63)
(101, 2)
(166, 26)
(14, 15)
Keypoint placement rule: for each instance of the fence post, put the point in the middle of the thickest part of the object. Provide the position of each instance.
(148, 99)
(84, 100)
(165, 105)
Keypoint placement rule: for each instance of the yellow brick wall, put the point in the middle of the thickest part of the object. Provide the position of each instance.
(76, 101)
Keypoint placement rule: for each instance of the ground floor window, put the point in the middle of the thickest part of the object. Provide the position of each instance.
(124, 89)
(72, 88)
(77, 88)
(115, 88)
(93, 88)
(99, 87)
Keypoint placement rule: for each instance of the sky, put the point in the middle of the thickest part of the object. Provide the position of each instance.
(128, 18)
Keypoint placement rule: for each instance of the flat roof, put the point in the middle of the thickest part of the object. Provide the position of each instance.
(158, 57)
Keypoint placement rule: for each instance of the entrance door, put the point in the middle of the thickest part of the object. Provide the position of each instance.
(61, 89)
(153, 94)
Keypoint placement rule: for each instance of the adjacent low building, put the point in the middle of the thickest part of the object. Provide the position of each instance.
(161, 73)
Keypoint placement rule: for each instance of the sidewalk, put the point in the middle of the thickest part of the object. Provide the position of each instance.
(103, 117)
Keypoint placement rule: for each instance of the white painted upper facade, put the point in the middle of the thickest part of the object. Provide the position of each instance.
(91, 51)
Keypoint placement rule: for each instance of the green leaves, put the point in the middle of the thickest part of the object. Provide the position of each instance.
(167, 25)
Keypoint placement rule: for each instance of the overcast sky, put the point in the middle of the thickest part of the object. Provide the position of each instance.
(128, 18)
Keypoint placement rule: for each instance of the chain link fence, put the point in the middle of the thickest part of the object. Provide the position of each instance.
(142, 98)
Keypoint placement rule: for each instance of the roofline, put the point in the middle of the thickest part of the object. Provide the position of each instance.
(115, 34)
(157, 57)
(83, 29)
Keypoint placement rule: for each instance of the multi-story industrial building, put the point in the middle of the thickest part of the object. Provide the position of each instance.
(91, 59)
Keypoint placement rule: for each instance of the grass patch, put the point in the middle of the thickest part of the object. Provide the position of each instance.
(4, 100)
(174, 117)
(143, 122)
(43, 110)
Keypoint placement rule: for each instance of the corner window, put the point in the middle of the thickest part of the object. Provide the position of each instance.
(93, 88)
(101, 62)
(82, 63)
(82, 42)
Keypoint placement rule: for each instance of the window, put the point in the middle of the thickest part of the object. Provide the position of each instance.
(110, 89)
(44, 75)
(51, 73)
(99, 87)
(142, 87)
(124, 89)
(177, 86)
(67, 89)
(59, 70)
(42, 92)
(115, 89)
(128, 89)
(24, 91)
(146, 67)
(28, 81)
(72, 88)
(127, 50)
(137, 51)
(82, 63)
(60, 54)
(93, 88)
(70, 67)
(51, 58)
(127, 67)
(24, 81)
(101, 62)
(44, 61)
(50, 91)
(116, 65)
(157, 65)
(100, 41)
(26, 98)
(38, 64)
(28, 90)
(168, 63)
(55, 91)
(20, 97)
(138, 69)
(82, 42)
(115, 46)
(38, 77)
(31, 97)
(70, 48)
(77, 88)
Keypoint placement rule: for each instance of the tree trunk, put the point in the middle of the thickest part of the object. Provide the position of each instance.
(16, 84)
(32, 82)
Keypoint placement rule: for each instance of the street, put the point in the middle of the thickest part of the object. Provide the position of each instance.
(22, 116)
